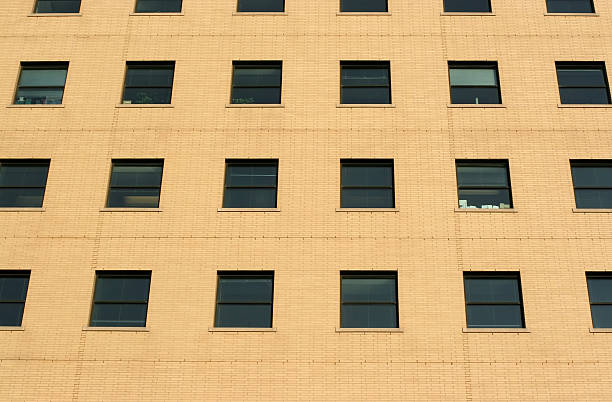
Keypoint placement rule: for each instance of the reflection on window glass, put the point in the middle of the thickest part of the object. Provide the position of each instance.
(244, 299)
(368, 300)
(261, 6)
(366, 184)
(41, 83)
(148, 83)
(356, 6)
(159, 6)
(592, 183)
(600, 295)
(13, 291)
(23, 182)
(483, 184)
(493, 300)
(121, 299)
(570, 6)
(57, 6)
(135, 184)
(257, 83)
(467, 6)
(250, 183)
(365, 83)
(474, 83)
(583, 83)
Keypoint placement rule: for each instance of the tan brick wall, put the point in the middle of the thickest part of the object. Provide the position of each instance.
(307, 243)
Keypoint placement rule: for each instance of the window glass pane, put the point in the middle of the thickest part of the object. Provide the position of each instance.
(256, 95)
(595, 176)
(23, 174)
(367, 176)
(458, 6)
(158, 6)
(261, 6)
(593, 198)
(257, 77)
(363, 5)
(367, 198)
(368, 290)
(496, 176)
(21, 197)
(42, 77)
(238, 175)
(11, 314)
(13, 288)
(119, 315)
(602, 316)
(353, 76)
(570, 6)
(494, 290)
(244, 315)
(136, 175)
(241, 289)
(133, 198)
(149, 77)
(581, 77)
(597, 96)
(473, 76)
(475, 95)
(365, 95)
(39, 96)
(600, 290)
(147, 95)
(122, 289)
(484, 316)
(485, 198)
(369, 316)
(250, 198)
(58, 6)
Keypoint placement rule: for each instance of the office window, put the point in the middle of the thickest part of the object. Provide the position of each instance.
(148, 82)
(474, 82)
(368, 299)
(41, 83)
(257, 82)
(570, 6)
(600, 296)
(365, 82)
(135, 183)
(57, 6)
(467, 6)
(121, 299)
(13, 291)
(366, 183)
(356, 6)
(583, 83)
(159, 6)
(250, 183)
(244, 299)
(483, 184)
(493, 300)
(261, 6)
(23, 182)
(592, 183)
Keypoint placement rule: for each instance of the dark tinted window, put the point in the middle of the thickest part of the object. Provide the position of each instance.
(474, 83)
(57, 6)
(121, 299)
(367, 184)
(570, 6)
(363, 5)
(148, 83)
(250, 184)
(365, 82)
(592, 183)
(244, 299)
(159, 6)
(369, 300)
(583, 83)
(493, 300)
(483, 184)
(466, 6)
(22, 182)
(13, 291)
(258, 83)
(261, 6)
(41, 83)
(600, 294)
(135, 184)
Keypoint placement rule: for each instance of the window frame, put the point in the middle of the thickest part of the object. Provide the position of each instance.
(264, 274)
(260, 162)
(243, 64)
(588, 163)
(120, 274)
(356, 64)
(152, 65)
(596, 275)
(19, 274)
(132, 162)
(497, 275)
(486, 163)
(475, 65)
(136, 2)
(374, 274)
(467, 12)
(35, 8)
(586, 65)
(41, 65)
(592, 3)
(38, 162)
(374, 163)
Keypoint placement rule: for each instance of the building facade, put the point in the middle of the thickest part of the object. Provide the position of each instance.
(310, 240)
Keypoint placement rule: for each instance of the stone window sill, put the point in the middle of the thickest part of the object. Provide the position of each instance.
(20, 209)
(248, 210)
(12, 329)
(571, 105)
(379, 330)
(56, 15)
(496, 330)
(117, 329)
(592, 210)
(382, 13)
(365, 105)
(477, 106)
(259, 13)
(600, 330)
(35, 106)
(469, 14)
(367, 209)
(156, 14)
(255, 105)
(571, 14)
(240, 329)
(143, 105)
(131, 210)
(496, 210)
